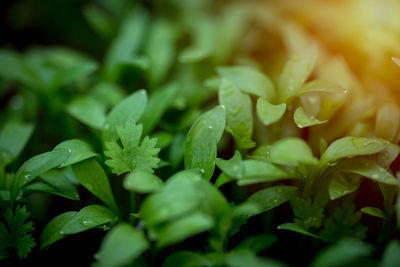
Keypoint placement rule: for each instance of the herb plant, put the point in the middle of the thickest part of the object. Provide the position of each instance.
(207, 133)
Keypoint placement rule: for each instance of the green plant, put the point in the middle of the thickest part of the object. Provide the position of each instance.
(223, 158)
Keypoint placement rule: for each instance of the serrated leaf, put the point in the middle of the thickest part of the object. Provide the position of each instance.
(202, 140)
(17, 232)
(343, 184)
(183, 228)
(250, 81)
(130, 108)
(232, 167)
(302, 120)
(348, 147)
(142, 182)
(121, 246)
(88, 111)
(341, 253)
(296, 228)
(92, 176)
(300, 152)
(159, 102)
(269, 113)
(36, 166)
(373, 211)
(239, 118)
(87, 218)
(13, 137)
(136, 154)
(78, 149)
(296, 71)
(52, 231)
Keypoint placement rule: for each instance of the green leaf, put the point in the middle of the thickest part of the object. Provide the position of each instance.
(245, 257)
(307, 214)
(262, 201)
(183, 228)
(369, 169)
(158, 103)
(202, 140)
(257, 243)
(92, 176)
(160, 50)
(376, 212)
(78, 149)
(239, 119)
(15, 232)
(127, 43)
(121, 246)
(130, 108)
(341, 253)
(391, 254)
(294, 227)
(348, 147)
(179, 195)
(269, 113)
(223, 179)
(256, 171)
(250, 81)
(142, 182)
(320, 86)
(300, 152)
(343, 184)
(135, 154)
(87, 218)
(52, 231)
(13, 137)
(233, 167)
(36, 166)
(296, 71)
(344, 222)
(186, 259)
(57, 182)
(88, 111)
(14, 68)
(302, 120)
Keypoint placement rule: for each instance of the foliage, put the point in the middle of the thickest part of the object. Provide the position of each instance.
(250, 142)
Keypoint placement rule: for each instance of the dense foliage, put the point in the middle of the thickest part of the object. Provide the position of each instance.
(207, 133)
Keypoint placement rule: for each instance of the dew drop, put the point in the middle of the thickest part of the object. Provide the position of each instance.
(27, 176)
(331, 164)
(69, 151)
(222, 106)
(209, 127)
(202, 171)
(375, 176)
(89, 187)
(61, 232)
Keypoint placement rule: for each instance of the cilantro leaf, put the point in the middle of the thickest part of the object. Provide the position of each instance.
(344, 223)
(134, 154)
(307, 214)
(15, 232)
